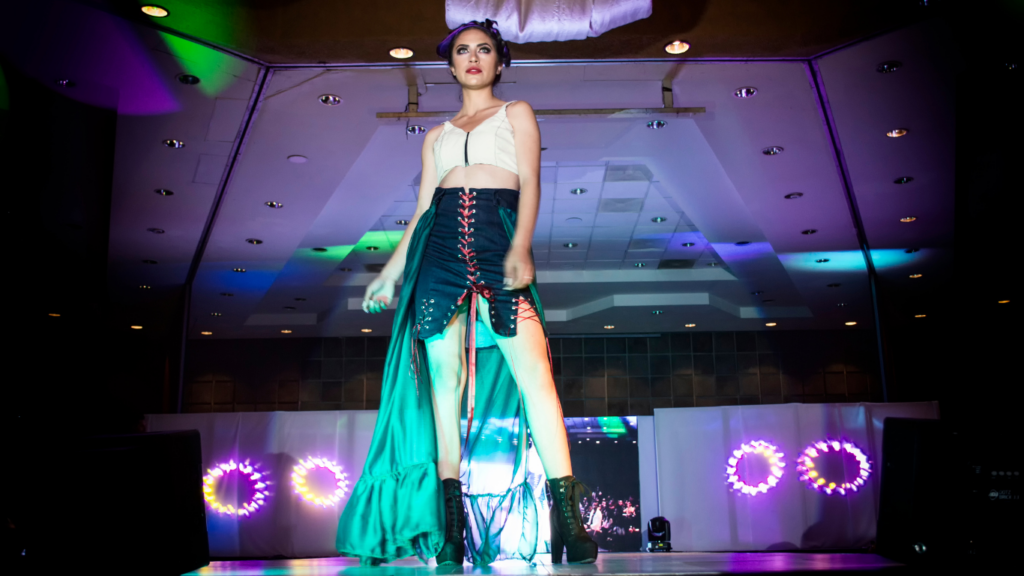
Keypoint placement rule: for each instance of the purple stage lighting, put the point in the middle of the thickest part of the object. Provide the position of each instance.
(816, 480)
(759, 448)
(257, 487)
(302, 488)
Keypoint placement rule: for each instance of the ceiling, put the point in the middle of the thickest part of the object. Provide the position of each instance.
(703, 178)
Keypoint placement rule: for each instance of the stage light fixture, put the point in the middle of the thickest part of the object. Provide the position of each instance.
(677, 47)
(897, 132)
(64, 83)
(172, 143)
(656, 124)
(793, 195)
(297, 159)
(808, 473)
(841, 304)
(888, 67)
(329, 100)
(254, 241)
(366, 330)
(916, 275)
(164, 192)
(145, 287)
(658, 219)
(639, 264)
(319, 249)
(286, 331)
(188, 79)
(215, 314)
(373, 248)
(273, 204)
(136, 327)
(54, 314)
(402, 222)
(239, 270)
(773, 150)
(712, 264)
(903, 180)
(304, 467)
(659, 534)
(759, 448)
(205, 333)
(690, 325)
(1004, 301)
(770, 324)
(257, 488)
(657, 312)
(415, 129)
(155, 11)
(920, 315)
(851, 323)
(609, 327)
(908, 218)
(578, 191)
(401, 53)
(688, 244)
(570, 244)
(745, 92)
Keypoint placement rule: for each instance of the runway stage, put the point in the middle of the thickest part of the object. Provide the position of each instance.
(618, 564)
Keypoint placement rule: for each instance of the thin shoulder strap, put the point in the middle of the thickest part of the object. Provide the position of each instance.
(507, 103)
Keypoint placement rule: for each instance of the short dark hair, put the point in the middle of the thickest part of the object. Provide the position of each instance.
(489, 27)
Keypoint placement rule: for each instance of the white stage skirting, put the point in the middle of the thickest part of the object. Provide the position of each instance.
(684, 454)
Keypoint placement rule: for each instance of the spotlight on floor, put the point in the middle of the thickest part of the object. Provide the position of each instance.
(659, 534)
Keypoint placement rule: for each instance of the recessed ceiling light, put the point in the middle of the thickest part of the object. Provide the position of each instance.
(903, 180)
(772, 150)
(897, 132)
(215, 314)
(639, 264)
(888, 67)
(745, 92)
(809, 231)
(656, 124)
(920, 315)
(254, 241)
(912, 250)
(373, 248)
(757, 292)
(155, 230)
(238, 269)
(54, 314)
(367, 330)
(65, 83)
(401, 53)
(289, 307)
(916, 275)
(286, 331)
(908, 218)
(329, 100)
(677, 47)
(657, 312)
(273, 205)
(319, 249)
(851, 323)
(172, 143)
(793, 195)
(688, 244)
(578, 191)
(833, 285)
(204, 333)
(743, 242)
(344, 269)
(155, 11)
(1004, 301)
(164, 192)
(228, 294)
(136, 327)
(300, 299)
(658, 219)
(822, 260)
(690, 325)
(145, 287)
(570, 244)
(402, 222)
(149, 261)
(188, 79)
(297, 159)
(770, 324)
(608, 327)
(415, 129)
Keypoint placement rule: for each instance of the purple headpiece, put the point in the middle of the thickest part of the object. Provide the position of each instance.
(489, 26)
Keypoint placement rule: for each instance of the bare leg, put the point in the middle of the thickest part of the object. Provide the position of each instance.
(526, 354)
(446, 358)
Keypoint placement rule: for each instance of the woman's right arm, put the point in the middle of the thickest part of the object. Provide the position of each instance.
(381, 290)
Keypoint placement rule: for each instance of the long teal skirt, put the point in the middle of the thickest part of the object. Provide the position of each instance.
(396, 509)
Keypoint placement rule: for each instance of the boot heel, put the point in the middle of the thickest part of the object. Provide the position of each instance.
(556, 544)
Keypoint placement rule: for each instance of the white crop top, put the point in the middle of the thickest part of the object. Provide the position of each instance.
(491, 142)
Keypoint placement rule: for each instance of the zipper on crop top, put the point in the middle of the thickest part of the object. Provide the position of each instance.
(466, 149)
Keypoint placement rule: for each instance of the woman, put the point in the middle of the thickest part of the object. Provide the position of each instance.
(468, 266)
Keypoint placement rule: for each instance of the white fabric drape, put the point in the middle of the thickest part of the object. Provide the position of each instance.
(523, 21)
(694, 445)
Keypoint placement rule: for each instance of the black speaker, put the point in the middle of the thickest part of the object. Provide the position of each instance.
(133, 505)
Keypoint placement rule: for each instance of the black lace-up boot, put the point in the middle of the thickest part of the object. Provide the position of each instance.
(567, 523)
(454, 550)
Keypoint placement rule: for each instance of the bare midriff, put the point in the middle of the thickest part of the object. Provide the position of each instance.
(480, 176)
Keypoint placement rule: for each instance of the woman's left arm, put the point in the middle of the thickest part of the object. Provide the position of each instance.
(519, 269)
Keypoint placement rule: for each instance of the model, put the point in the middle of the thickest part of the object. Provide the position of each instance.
(468, 268)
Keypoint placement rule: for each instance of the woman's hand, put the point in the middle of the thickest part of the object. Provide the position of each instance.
(379, 294)
(518, 268)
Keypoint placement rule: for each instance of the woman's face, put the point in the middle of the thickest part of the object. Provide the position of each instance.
(475, 62)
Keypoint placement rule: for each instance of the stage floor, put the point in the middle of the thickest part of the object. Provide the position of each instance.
(624, 564)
